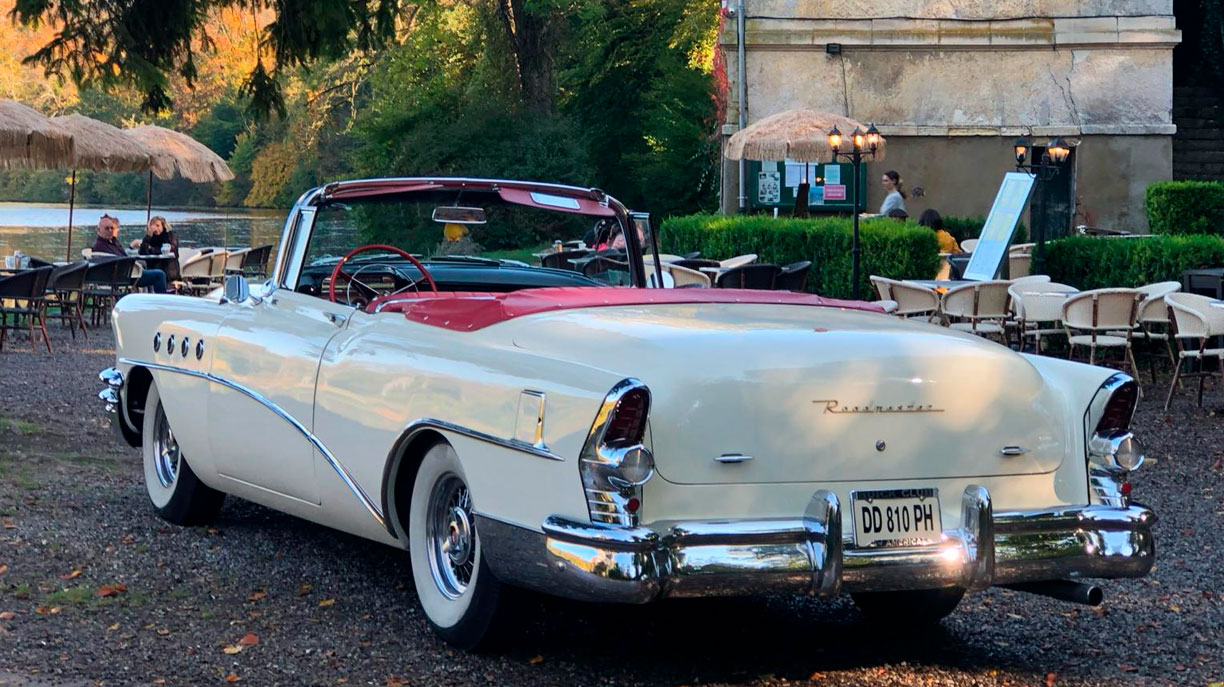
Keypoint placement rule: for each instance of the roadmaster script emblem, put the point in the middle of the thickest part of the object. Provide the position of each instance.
(833, 406)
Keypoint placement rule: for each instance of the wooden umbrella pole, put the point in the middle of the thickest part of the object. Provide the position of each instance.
(149, 199)
(71, 206)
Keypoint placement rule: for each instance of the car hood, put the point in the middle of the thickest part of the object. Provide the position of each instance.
(814, 393)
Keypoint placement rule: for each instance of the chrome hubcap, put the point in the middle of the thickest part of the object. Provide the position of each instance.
(451, 536)
(166, 450)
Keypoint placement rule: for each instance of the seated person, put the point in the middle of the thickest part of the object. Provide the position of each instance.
(931, 219)
(157, 234)
(108, 243)
(897, 214)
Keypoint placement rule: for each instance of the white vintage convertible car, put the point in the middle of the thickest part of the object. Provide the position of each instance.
(531, 427)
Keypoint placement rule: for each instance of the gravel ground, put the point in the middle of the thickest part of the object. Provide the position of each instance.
(96, 590)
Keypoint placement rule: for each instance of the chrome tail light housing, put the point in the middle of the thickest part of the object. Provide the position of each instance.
(616, 459)
(1111, 448)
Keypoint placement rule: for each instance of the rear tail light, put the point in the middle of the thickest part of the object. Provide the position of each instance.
(1112, 451)
(615, 461)
(1120, 407)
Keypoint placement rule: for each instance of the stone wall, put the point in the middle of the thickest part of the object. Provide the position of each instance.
(929, 73)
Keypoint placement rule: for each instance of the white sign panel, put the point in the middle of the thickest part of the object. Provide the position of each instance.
(1000, 226)
(832, 175)
(769, 187)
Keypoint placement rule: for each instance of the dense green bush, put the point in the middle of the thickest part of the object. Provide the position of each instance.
(1185, 207)
(962, 228)
(889, 248)
(1098, 262)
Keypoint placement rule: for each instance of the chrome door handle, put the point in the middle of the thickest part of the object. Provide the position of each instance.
(1011, 451)
(733, 458)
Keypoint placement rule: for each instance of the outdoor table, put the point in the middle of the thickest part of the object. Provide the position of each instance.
(1204, 282)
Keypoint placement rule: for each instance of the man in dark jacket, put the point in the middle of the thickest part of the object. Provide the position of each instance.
(108, 243)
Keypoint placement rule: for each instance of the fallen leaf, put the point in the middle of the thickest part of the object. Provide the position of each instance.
(42, 610)
(55, 610)
(257, 595)
(213, 530)
(112, 628)
(163, 631)
(7, 615)
(1175, 608)
(105, 591)
(3, 569)
(536, 660)
(1050, 677)
(327, 602)
(160, 681)
(249, 639)
(121, 588)
(1128, 669)
(232, 649)
(72, 575)
(395, 682)
(304, 590)
(232, 678)
(128, 539)
(8, 523)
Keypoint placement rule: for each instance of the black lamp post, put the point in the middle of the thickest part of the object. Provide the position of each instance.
(863, 144)
(1056, 153)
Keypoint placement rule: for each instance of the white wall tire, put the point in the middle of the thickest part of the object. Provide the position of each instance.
(177, 494)
(458, 592)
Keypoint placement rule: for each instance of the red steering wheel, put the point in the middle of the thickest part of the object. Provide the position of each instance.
(331, 288)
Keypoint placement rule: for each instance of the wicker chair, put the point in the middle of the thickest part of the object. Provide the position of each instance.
(22, 296)
(980, 308)
(1037, 307)
(912, 300)
(66, 292)
(684, 277)
(1194, 322)
(1098, 313)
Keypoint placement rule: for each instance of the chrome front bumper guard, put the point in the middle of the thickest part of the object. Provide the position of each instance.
(109, 395)
(808, 555)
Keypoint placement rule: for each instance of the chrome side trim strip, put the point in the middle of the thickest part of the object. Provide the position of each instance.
(331, 459)
(512, 444)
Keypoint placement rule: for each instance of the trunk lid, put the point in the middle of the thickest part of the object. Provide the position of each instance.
(815, 394)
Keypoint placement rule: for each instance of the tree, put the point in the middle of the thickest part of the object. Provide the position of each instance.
(142, 43)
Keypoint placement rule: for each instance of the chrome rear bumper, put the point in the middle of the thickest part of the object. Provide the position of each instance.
(808, 555)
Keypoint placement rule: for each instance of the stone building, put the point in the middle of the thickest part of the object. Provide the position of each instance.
(952, 83)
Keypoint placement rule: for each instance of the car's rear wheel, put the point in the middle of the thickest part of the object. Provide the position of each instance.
(922, 606)
(458, 592)
(177, 494)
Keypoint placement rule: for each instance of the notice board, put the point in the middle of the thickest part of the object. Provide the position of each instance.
(773, 185)
(1000, 226)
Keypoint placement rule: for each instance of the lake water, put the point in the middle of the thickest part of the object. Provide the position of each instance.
(41, 230)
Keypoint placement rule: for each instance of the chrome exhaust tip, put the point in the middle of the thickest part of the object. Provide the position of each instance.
(1063, 590)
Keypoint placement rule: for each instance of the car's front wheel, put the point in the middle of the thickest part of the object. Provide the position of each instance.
(458, 592)
(177, 494)
(922, 606)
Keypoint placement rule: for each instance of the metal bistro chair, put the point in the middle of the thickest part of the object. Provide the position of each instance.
(793, 277)
(255, 261)
(696, 263)
(1098, 313)
(912, 300)
(983, 306)
(1154, 323)
(105, 283)
(1194, 317)
(66, 291)
(607, 270)
(22, 296)
(748, 276)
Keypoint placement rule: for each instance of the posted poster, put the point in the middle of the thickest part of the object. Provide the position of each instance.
(794, 174)
(816, 195)
(769, 187)
(834, 192)
(832, 175)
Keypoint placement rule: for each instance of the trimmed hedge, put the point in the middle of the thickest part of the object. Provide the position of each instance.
(888, 248)
(1185, 207)
(962, 228)
(1089, 262)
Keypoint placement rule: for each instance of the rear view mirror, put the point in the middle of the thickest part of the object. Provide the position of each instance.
(236, 289)
(454, 214)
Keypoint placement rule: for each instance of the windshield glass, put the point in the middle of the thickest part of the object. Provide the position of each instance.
(465, 241)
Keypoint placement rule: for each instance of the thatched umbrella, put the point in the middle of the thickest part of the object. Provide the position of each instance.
(100, 147)
(30, 140)
(175, 154)
(803, 136)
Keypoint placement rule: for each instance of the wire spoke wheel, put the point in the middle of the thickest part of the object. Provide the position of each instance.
(451, 536)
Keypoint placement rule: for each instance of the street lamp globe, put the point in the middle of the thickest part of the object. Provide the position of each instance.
(859, 138)
(1022, 149)
(1059, 151)
(835, 140)
(873, 138)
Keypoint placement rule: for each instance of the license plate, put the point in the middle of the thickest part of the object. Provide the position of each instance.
(896, 517)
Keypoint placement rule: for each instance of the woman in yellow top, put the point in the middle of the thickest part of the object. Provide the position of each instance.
(931, 219)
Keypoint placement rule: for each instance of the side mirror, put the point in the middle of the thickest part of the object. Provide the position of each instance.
(236, 289)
